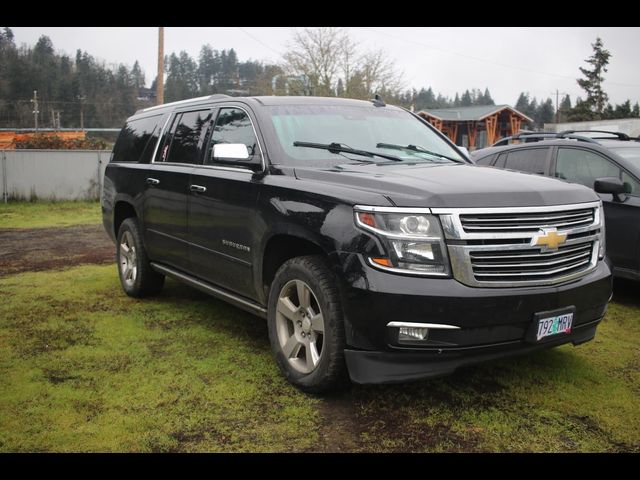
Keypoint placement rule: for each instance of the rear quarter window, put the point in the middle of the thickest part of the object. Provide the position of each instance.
(137, 140)
(488, 160)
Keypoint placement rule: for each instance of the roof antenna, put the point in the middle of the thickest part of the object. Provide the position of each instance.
(378, 101)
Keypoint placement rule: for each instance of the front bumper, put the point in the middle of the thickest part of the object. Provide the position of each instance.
(493, 321)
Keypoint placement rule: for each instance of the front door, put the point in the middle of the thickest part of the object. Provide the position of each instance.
(621, 217)
(167, 189)
(222, 208)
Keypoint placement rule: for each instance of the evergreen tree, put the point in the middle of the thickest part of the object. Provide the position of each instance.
(486, 98)
(466, 100)
(545, 113)
(592, 83)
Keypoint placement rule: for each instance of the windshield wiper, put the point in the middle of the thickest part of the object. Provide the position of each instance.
(414, 148)
(338, 148)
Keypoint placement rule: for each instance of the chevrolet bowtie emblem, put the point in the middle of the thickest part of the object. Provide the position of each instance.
(549, 238)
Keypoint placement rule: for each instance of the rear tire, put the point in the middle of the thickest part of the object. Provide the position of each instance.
(137, 277)
(306, 328)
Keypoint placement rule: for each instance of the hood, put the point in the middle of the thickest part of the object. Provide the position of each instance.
(453, 186)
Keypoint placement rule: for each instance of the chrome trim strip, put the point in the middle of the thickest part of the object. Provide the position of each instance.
(367, 208)
(474, 262)
(155, 150)
(434, 326)
(407, 272)
(211, 290)
(497, 210)
(176, 103)
(214, 167)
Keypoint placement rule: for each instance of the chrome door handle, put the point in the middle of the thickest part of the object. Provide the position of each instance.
(197, 188)
(153, 181)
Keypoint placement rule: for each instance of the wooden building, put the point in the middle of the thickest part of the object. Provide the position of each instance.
(492, 122)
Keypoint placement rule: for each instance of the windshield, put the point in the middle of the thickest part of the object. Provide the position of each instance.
(629, 153)
(378, 130)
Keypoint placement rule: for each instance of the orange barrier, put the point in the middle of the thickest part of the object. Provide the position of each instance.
(8, 139)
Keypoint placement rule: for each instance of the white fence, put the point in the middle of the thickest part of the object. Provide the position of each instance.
(52, 174)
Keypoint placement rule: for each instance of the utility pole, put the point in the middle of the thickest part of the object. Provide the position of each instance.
(81, 99)
(160, 78)
(34, 100)
(557, 108)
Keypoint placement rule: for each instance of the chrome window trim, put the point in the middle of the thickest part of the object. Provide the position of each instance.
(220, 106)
(155, 150)
(173, 113)
(433, 326)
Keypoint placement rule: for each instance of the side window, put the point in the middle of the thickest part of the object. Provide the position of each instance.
(486, 160)
(581, 166)
(181, 145)
(634, 186)
(531, 160)
(137, 140)
(233, 125)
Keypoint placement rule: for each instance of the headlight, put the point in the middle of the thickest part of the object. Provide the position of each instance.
(602, 250)
(414, 241)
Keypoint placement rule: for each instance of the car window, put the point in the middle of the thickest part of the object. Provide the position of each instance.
(233, 125)
(137, 140)
(634, 186)
(182, 143)
(485, 160)
(531, 160)
(581, 166)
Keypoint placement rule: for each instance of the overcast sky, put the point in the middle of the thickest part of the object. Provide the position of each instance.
(506, 60)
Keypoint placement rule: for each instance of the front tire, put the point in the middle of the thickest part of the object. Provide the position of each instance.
(306, 328)
(137, 277)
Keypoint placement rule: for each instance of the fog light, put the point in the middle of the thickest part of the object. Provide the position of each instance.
(413, 333)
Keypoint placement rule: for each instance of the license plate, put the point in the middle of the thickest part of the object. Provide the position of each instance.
(554, 325)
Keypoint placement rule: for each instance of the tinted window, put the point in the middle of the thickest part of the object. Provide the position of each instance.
(532, 160)
(137, 140)
(633, 186)
(183, 141)
(234, 126)
(582, 166)
(486, 160)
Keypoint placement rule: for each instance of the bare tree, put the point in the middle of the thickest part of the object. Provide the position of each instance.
(331, 64)
(315, 53)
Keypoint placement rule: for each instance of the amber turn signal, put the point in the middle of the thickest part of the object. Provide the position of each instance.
(385, 262)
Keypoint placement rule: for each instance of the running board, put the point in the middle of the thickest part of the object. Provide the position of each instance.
(235, 300)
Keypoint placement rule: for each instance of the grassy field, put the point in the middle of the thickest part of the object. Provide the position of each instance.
(85, 368)
(48, 214)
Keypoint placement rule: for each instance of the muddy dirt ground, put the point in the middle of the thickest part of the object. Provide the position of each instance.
(23, 250)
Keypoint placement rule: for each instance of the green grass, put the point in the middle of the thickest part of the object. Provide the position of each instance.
(83, 367)
(49, 214)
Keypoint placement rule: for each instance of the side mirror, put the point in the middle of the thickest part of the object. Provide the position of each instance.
(230, 151)
(612, 185)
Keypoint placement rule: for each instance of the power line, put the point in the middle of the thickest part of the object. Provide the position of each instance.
(259, 41)
(486, 60)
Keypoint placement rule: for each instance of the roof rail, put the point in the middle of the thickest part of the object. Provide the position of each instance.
(537, 136)
(620, 135)
(218, 96)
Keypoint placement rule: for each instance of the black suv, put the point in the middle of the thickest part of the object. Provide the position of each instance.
(362, 234)
(609, 162)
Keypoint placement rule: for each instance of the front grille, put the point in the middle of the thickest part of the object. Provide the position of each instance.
(495, 247)
(508, 222)
(530, 264)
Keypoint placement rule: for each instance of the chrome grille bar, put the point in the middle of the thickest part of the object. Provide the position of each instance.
(494, 247)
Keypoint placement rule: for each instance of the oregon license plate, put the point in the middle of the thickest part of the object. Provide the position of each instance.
(554, 325)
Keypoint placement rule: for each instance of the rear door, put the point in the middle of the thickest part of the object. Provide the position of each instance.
(222, 215)
(622, 219)
(167, 187)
